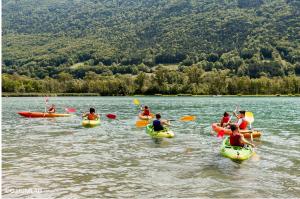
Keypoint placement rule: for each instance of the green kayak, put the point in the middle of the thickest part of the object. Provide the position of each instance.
(166, 133)
(236, 152)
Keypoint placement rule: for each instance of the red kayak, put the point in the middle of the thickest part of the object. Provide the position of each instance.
(41, 114)
(247, 133)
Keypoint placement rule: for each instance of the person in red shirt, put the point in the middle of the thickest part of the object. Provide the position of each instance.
(91, 115)
(225, 119)
(242, 122)
(146, 111)
(237, 139)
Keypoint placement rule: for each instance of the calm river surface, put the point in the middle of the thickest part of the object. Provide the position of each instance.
(58, 158)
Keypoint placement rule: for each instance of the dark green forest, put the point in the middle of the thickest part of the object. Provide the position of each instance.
(118, 47)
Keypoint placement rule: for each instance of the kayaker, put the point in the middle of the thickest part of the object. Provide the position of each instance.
(237, 139)
(242, 122)
(225, 119)
(158, 123)
(52, 109)
(146, 111)
(91, 115)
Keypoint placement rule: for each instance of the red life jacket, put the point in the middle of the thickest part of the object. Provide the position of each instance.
(235, 140)
(243, 125)
(146, 112)
(91, 116)
(225, 119)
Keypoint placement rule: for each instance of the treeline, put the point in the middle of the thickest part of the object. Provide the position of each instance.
(191, 80)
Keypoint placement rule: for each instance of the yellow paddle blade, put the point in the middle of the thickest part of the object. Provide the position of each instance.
(141, 123)
(188, 118)
(249, 117)
(136, 102)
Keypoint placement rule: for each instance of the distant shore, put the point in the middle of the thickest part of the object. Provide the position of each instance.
(162, 95)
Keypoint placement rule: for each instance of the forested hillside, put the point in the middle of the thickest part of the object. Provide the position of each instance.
(239, 38)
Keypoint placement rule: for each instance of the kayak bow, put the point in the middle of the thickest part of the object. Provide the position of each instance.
(166, 133)
(236, 152)
(90, 123)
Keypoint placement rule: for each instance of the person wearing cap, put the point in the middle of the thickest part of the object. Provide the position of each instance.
(242, 122)
(236, 138)
(158, 123)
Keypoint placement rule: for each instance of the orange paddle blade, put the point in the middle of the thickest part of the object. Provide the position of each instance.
(141, 123)
(188, 118)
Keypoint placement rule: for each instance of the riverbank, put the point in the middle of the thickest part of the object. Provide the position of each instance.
(4, 94)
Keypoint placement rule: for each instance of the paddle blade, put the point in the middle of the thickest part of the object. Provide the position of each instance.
(221, 134)
(141, 123)
(187, 118)
(136, 102)
(70, 110)
(111, 116)
(249, 117)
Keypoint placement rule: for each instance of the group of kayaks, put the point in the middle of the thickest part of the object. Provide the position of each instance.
(232, 152)
(236, 152)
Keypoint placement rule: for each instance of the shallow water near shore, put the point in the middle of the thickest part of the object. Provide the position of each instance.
(57, 157)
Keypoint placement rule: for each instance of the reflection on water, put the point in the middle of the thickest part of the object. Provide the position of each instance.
(57, 157)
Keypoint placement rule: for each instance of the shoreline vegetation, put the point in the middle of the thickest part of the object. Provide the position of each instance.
(4, 94)
(163, 82)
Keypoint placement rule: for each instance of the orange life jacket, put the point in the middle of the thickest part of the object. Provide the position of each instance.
(91, 116)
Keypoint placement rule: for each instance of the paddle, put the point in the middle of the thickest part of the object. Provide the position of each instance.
(187, 118)
(70, 110)
(221, 134)
(250, 118)
(136, 102)
(141, 123)
(46, 103)
(111, 116)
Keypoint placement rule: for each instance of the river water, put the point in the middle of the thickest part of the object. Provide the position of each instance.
(58, 158)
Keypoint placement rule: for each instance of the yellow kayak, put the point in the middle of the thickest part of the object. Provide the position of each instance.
(90, 123)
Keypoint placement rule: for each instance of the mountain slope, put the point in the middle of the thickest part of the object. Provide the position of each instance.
(45, 37)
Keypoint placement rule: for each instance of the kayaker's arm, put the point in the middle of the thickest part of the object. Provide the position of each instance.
(84, 114)
(234, 113)
(246, 142)
(165, 122)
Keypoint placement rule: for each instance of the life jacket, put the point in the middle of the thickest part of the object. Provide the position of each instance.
(91, 116)
(146, 112)
(235, 140)
(243, 125)
(225, 119)
(157, 125)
